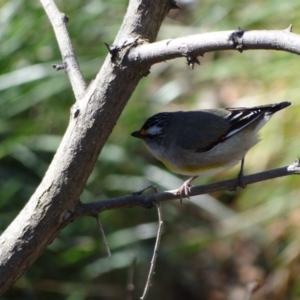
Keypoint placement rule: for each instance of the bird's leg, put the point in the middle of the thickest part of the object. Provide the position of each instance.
(184, 190)
(240, 179)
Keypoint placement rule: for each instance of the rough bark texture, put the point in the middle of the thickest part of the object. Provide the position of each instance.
(97, 109)
(92, 120)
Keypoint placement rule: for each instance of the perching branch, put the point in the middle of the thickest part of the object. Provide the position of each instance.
(55, 202)
(146, 201)
(92, 119)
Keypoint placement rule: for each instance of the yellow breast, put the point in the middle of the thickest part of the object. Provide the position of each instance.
(196, 170)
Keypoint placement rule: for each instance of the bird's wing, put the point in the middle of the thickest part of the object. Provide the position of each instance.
(238, 119)
(214, 126)
(241, 117)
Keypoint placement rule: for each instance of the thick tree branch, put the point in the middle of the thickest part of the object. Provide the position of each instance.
(91, 122)
(55, 202)
(146, 201)
(198, 44)
(59, 22)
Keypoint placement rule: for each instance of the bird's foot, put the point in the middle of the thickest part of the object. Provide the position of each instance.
(184, 190)
(240, 182)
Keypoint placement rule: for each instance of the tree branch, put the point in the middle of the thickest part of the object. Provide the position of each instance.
(59, 22)
(198, 44)
(55, 202)
(91, 122)
(155, 251)
(146, 201)
(105, 242)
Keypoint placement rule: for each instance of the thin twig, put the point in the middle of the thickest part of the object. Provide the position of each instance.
(151, 186)
(103, 236)
(59, 22)
(130, 279)
(146, 201)
(155, 252)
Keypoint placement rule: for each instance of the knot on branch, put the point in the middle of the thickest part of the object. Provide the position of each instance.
(187, 52)
(191, 60)
(149, 203)
(113, 50)
(65, 18)
(118, 52)
(236, 39)
(59, 67)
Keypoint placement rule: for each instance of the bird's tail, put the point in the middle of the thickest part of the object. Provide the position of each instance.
(268, 109)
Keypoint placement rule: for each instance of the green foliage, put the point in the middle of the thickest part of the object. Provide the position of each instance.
(209, 246)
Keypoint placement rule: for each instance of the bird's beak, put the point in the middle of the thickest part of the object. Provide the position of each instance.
(137, 134)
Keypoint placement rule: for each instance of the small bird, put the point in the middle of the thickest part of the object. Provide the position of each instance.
(205, 142)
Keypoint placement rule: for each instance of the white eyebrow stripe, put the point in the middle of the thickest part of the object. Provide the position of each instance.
(154, 130)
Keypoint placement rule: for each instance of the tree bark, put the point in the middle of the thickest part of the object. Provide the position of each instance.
(56, 201)
(91, 122)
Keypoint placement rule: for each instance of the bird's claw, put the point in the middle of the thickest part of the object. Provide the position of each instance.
(185, 190)
(240, 182)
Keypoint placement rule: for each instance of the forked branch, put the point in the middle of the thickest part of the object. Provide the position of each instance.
(55, 202)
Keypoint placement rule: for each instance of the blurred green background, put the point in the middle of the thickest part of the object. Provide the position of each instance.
(213, 245)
